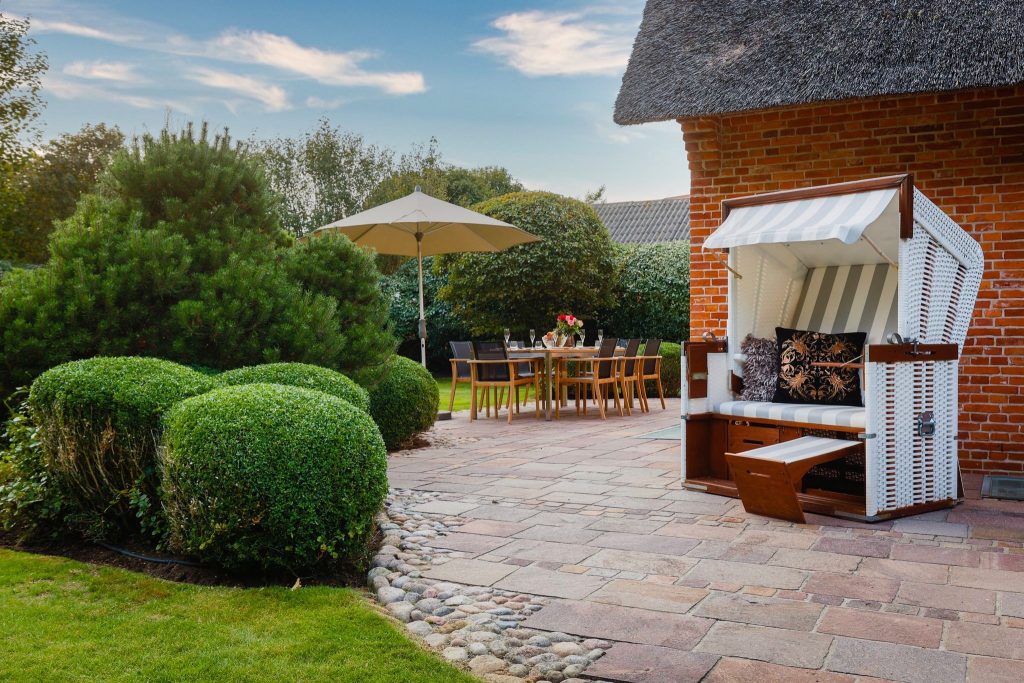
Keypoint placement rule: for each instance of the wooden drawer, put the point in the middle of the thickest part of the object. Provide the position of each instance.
(745, 437)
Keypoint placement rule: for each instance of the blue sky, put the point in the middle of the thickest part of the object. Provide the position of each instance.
(526, 85)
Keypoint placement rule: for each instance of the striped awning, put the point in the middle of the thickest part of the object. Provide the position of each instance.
(842, 217)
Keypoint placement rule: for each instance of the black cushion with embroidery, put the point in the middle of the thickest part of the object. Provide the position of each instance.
(801, 382)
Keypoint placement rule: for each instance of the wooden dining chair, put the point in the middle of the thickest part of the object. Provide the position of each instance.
(491, 370)
(599, 373)
(628, 374)
(526, 369)
(461, 352)
(650, 371)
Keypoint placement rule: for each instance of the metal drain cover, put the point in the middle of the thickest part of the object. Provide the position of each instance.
(1002, 486)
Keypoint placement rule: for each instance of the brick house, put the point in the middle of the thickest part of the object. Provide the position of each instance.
(782, 94)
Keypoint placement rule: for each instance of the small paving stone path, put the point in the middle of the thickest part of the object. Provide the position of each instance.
(686, 586)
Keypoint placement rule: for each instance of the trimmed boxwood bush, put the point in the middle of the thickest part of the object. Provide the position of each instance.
(99, 426)
(404, 402)
(670, 369)
(301, 375)
(271, 477)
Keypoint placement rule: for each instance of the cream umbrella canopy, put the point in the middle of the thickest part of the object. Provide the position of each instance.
(420, 225)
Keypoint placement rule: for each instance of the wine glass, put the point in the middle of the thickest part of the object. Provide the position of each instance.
(600, 337)
(583, 336)
(533, 335)
(507, 335)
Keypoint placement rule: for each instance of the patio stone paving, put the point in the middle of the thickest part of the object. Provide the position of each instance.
(689, 587)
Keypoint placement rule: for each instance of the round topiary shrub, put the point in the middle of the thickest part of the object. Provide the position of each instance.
(404, 402)
(271, 477)
(99, 426)
(301, 375)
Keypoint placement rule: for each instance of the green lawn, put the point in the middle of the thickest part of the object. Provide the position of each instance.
(62, 620)
(462, 397)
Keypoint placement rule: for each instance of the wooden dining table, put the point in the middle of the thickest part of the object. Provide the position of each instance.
(548, 354)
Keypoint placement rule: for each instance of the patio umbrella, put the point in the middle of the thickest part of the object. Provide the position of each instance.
(420, 225)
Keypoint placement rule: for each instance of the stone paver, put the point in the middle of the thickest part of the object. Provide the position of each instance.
(982, 639)
(634, 561)
(540, 581)
(775, 645)
(751, 609)
(897, 662)
(649, 595)
(892, 628)
(594, 522)
(729, 670)
(746, 574)
(625, 624)
(947, 597)
(473, 572)
(648, 664)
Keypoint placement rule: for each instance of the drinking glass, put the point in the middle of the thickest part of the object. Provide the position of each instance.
(513, 345)
(533, 335)
(583, 336)
(538, 344)
(507, 335)
(600, 337)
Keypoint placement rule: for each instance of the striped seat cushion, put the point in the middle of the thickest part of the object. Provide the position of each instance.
(850, 299)
(832, 416)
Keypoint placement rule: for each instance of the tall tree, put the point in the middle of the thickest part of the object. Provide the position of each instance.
(322, 176)
(21, 72)
(51, 182)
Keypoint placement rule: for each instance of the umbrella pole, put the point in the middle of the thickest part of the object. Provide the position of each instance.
(423, 321)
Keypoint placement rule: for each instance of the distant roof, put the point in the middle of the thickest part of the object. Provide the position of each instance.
(648, 221)
(699, 57)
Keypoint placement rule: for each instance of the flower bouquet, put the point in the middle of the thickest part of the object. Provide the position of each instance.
(567, 327)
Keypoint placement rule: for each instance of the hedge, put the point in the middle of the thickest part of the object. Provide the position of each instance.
(99, 425)
(652, 294)
(301, 375)
(271, 477)
(404, 403)
(670, 368)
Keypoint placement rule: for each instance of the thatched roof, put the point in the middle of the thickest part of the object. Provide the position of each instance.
(648, 221)
(700, 57)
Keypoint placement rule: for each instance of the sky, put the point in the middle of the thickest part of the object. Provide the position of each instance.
(526, 85)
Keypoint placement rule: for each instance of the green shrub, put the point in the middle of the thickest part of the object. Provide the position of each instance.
(404, 403)
(99, 426)
(670, 368)
(334, 267)
(652, 296)
(301, 375)
(572, 268)
(32, 505)
(179, 256)
(271, 477)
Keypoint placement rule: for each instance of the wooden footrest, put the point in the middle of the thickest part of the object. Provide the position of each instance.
(767, 478)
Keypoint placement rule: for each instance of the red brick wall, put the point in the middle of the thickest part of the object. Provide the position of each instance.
(966, 151)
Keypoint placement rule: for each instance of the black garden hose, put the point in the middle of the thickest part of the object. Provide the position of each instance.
(146, 558)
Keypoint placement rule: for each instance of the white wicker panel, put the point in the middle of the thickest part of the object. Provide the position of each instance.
(765, 297)
(940, 273)
(903, 468)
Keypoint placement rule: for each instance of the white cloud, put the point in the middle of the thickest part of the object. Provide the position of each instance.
(542, 43)
(121, 72)
(314, 102)
(73, 29)
(323, 66)
(328, 67)
(272, 97)
(77, 90)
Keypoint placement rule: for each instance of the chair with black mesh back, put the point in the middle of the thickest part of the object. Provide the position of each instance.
(650, 371)
(601, 373)
(491, 369)
(525, 370)
(628, 373)
(462, 351)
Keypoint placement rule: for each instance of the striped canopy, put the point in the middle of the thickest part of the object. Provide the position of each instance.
(842, 217)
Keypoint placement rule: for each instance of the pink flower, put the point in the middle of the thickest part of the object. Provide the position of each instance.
(570, 319)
